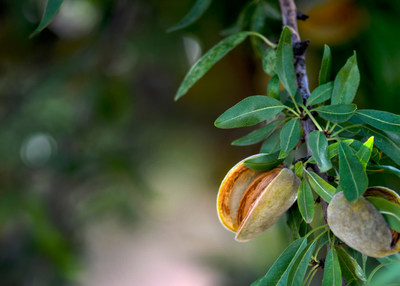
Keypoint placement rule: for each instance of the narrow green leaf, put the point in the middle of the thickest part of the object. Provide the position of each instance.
(249, 111)
(285, 62)
(305, 201)
(349, 267)
(273, 143)
(388, 275)
(208, 60)
(298, 169)
(346, 82)
(269, 61)
(336, 113)
(263, 162)
(326, 66)
(318, 144)
(257, 135)
(332, 150)
(365, 151)
(320, 94)
(353, 178)
(386, 143)
(50, 12)
(380, 119)
(388, 168)
(273, 87)
(390, 210)
(332, 272)
(294, 221)
(298, 270)
(290, 135)
(320, 186)
(194, 14)
(279, 271)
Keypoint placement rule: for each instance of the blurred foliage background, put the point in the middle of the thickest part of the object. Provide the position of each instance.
(104, 179)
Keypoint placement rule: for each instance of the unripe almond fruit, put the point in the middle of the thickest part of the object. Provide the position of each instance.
(361, 226)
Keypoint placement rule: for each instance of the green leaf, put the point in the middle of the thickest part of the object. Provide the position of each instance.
(249, 111)
(269, 61)
(257, 135)
(273, 87)
(194, 14)
(386, 143)
(388, 275)
(305, 201)
(298, 169)
(263, 162)
(388, 168)
(390, 210)
(349, 267)
(299, 267)
(326, 66)
(208, 60)
(320, 186)
(332, 272)
(336, 113)
(353, 178)
(318, 144)
(380, 119)
(272, 144)
(320, 94)
(294, 221)
(332, 150)
(365, 151)
(346, 82)
(285, 62)
(290, 135)
(51, 10)
(279, 271)
(357, 145)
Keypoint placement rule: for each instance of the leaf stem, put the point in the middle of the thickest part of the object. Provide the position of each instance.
(268, 42)
(295, 104)
(327, 125)
(345, 128)
(314, 271)
(292, 110)
(309, 274)
(313, 119)
(332, 128)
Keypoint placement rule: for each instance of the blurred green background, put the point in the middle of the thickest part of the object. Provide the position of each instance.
(104, 179)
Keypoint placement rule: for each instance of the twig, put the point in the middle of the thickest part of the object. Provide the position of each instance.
(289, 18)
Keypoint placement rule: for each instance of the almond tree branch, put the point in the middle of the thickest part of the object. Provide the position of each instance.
(289, 18)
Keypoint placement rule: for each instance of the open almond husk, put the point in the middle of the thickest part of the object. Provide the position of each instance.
(249, 202)
(361, 226)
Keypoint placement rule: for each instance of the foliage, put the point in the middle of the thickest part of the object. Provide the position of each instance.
(348, 162)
